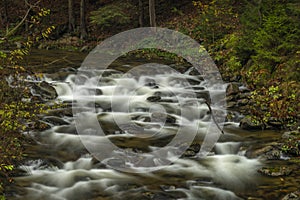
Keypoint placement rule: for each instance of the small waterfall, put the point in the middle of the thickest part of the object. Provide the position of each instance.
(227, 148)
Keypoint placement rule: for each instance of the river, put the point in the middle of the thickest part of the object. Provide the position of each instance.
(138, 115)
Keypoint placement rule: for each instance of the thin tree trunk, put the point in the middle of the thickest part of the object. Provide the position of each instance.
(26, 21)
(152, 13)
(71, 16)
(4, 16)
(141, 13)
(12, 31)
(83, 31)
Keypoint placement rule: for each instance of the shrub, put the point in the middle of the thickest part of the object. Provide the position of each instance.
(111, 15)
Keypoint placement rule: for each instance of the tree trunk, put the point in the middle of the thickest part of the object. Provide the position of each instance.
(83, 31)
(71, 16)
(26, 22)
(152, 13)
(141, 13)
(4, 16)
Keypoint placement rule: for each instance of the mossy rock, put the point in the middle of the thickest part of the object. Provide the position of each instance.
(248, 123)
(275, 171)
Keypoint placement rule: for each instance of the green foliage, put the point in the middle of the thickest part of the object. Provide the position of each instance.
(277, 39)
(21, 116)
(17, 116)
(264, 51)
(111, 15)
(17, 113)
(225, 55)
(216, 19)
(273, 74)
(41, 31)
(271, 33)
(291, 147)
(276, 102)
(13, 58)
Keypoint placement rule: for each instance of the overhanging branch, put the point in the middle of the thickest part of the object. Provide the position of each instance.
(13, 31)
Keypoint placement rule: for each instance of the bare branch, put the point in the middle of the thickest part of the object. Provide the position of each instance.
(12, 32)
(213, 117)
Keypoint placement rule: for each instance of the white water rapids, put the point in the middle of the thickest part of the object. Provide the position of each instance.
(139, 115)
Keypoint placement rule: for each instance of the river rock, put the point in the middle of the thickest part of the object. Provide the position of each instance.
(273, 155)
(192, 150)
(291, 135)
(291, 144)
(259, 152)
(68, 129)
(154, 98)
(270, 151)
(52, 162)
(193, 81)
(275, 123)
(61, 112)
(275, 172)
(45, 90)
(150, 82)
(231, 104)
(196, 88)
(292, 196)
(247, 124)
(170, 195)
(55, 120)
(232, 89)
(193, 71)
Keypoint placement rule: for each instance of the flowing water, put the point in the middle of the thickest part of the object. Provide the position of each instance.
(139, 115)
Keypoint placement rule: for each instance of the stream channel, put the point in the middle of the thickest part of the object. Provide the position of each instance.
(138, 115)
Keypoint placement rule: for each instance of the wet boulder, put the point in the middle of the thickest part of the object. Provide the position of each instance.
(192, 150)
(247, 123)
(232, 89)
(55, 120)
(154, 98)
(275, 171)
(291, 135)
(62, 112)
(45, 90)
(231, 104)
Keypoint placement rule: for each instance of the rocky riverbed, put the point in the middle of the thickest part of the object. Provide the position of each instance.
(244, 164)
